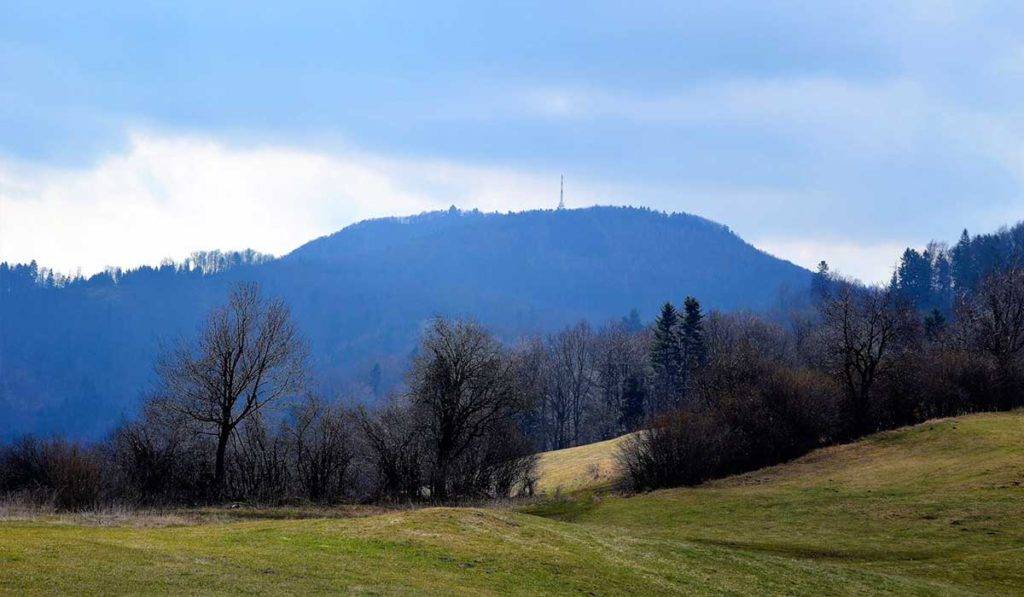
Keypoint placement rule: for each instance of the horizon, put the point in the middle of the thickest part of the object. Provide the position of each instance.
(130, 136)
(809, 261)
(178, 260)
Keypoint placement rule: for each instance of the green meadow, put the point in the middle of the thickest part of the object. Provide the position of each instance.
(933, 509)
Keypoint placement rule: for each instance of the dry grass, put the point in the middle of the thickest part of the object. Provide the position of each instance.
(16, 510)
(590, 467)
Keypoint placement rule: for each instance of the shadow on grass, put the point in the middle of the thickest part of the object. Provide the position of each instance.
(565, 508)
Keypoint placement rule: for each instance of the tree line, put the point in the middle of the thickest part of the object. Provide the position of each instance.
(858, 360)
(233, 415)
(231, 419)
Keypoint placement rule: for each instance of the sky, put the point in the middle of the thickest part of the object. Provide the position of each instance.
(844, 131)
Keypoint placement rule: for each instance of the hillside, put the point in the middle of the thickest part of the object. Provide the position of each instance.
(76, 359)
(936, 508)
(580, 468)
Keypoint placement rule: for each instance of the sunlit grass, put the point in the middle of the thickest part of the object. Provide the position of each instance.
(593, 466)
(938, 508)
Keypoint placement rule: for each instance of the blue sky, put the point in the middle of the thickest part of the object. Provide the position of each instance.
(844, 130)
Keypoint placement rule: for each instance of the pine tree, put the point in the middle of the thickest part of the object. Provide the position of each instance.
(692, 333)
(666, 358)
(820, 282)
(942, 285)
(914, 278)
(632, 408)
(632, 321)
(962, 262)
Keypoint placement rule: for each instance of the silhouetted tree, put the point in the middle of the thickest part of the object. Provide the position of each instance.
(913, 278)
(394, 441)
(322, 449)
(573, 375)
(821, 282)
(248, 356)
(691, 332)
(994, 319)
(666, 359)
(863, 330)
(463, 389)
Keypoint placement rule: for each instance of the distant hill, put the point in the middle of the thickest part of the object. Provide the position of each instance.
(76, 358)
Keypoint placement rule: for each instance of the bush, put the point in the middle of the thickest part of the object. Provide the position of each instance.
(681, 448)
(57, 473)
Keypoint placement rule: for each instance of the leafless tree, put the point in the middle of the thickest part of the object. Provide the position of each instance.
(572, 370)
(248, 356)
(620, 368)
(258, 467)
(863, 329)
(322, 449)
(462, 387)
(393, 442)
(993, 322)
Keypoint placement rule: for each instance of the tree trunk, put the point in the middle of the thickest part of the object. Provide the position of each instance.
(218, 471)
(439, 485)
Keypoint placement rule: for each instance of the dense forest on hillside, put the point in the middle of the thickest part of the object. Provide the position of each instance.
(76, 354)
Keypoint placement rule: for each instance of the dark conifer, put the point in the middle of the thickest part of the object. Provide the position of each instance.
(666, 358)
(820, 282)
(692, 334)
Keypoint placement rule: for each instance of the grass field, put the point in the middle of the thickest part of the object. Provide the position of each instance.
(592, 467)
(933, 509)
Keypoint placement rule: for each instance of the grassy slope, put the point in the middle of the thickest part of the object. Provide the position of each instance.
(592, 466)
(937, 508)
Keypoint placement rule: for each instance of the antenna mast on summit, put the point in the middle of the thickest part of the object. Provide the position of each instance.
(561, 194)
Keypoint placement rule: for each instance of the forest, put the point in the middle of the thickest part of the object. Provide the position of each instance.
(704, 393)
(78, 352)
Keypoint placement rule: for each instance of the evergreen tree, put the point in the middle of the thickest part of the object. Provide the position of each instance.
(666, 358)
(942, 284)
(820, 282)
(914, 278)
(632, 409)
(962, 266)
(632, 321)
(692, 334)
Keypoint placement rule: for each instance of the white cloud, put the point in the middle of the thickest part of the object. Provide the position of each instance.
(870, 263)
(168, 195)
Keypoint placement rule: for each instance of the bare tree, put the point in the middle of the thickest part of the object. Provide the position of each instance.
(258, 469)
(322, 448)
(573, 378)
(994, 322)
(620, 363)
(463, 387)
(393, 441)
(248, 355)
(863, 329)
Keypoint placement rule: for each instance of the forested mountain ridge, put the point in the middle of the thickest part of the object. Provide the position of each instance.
(76, 356)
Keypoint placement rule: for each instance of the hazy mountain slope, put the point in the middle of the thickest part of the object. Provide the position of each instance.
(77, 358)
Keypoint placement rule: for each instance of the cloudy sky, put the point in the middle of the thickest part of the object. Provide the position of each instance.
(138, 131)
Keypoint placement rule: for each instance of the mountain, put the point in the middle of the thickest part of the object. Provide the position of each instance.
(75, 358)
